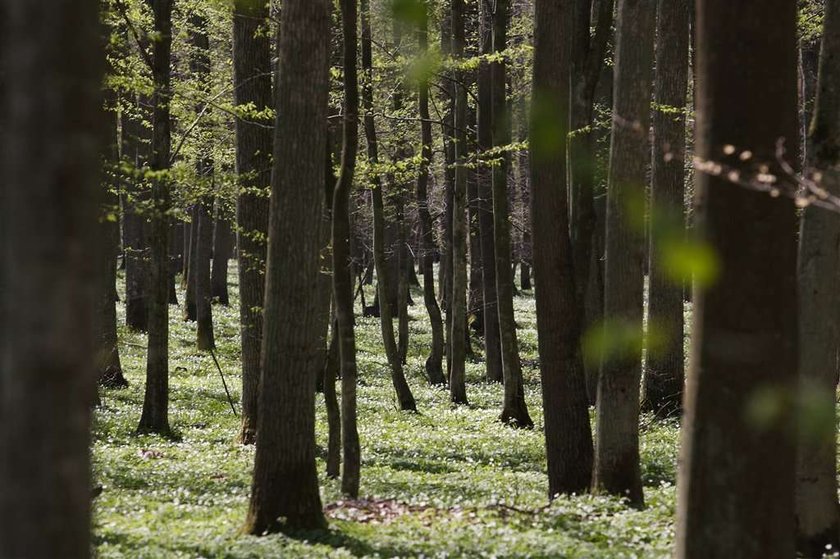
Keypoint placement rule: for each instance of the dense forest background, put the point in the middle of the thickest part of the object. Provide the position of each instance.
(434, 278)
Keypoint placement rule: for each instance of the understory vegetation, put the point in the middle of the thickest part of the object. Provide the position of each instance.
(446, 482)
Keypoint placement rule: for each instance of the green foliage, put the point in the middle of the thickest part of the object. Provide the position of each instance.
(444, 482)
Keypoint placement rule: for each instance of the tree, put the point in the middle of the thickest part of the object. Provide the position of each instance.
(817, 518)
(50, 193)
(284, 492)
(617, 468)
(222, 253)
(434, 366)
(155, 416)
(342, 276)
(514, 410)
(383, 270)
(665, 366)
(568, 435)
(737, 469)
(252, 76)
(458, 299)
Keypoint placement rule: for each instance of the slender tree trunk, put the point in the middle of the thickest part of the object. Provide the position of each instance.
(190, 308)
(448, 130)
(403, 270)
(617, 467)
(514, 408)
(665, 367)
(737, 470)
(403, 391)
(285, 493)
(201, 267)
(342, 277)
(568, 435)
(222, 252)
(460, 229)
(817, 520)
(252, 76)
(434, 366)
(155, 416)
(49, 192)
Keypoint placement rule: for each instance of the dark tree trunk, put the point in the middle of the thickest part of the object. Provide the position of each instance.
(617, 468)
(448, 130)
(49, 192)
(201, 272)
(492, 342)
(222, 253)
(342, 262)
(475, 285)
(285, 493)
(155, 416)
(568, 435)
(434, 363)
(191, 264)
(514, 408)
(403, 391)
(737, 472)
(817, 521)
(665, 367)
(252, 76)
(460, 229)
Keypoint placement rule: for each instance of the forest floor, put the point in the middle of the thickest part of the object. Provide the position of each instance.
(445, 482)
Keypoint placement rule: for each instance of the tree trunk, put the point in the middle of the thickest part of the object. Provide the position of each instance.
(665, 367)
(737, 465)
(201, 273)
(404, 395)
(434, 366)
(222, 252)
(155, 416)
(568, 435)
(342, 262)
(514, 408)
(817, 521)
(191, 264)
(285, 493)
(617, 469)
(51, 180)
(460, 229)
(485, 175)
(252, 76)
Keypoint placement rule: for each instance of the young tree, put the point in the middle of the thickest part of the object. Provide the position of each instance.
(617, 468)
(383, 270)
(568, 435)
(284, 492)
(665, 367)
(458, 298)
(737, 466)
(155, 416)
(252, 77)
(342, 276)
(52, 77)
(222, 253)
(434, 366)
(817, 518)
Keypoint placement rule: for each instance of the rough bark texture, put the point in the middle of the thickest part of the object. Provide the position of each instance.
(252, 76)
(155, 416)
(665, 367)
(285, 493)
(342, 262)
(52, 111)
(434, 363)
(492, 343)
(817, 521)
(737, 472)
(617, 469)
(514, 409)
(568, 435)
(403, 391)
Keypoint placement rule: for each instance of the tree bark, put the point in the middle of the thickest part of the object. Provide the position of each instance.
(817, 515)
(568, 435)
(285, 493)
(155, 416)
(737, 470)
(49, 191)
(222, 252)
(252, 76)
(617, 468)
(191, 264)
